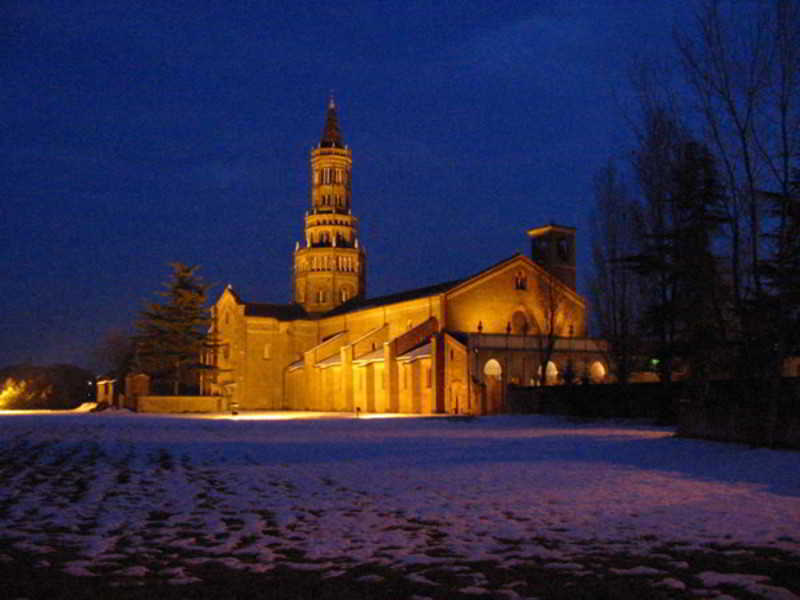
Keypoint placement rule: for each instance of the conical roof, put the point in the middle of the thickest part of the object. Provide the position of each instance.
(331, 135)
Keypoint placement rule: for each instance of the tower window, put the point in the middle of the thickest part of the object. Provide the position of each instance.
(563, 249)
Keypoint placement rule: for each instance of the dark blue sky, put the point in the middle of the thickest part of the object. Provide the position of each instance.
(139, 133)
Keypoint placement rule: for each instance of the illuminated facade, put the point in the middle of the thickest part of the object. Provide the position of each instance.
(448, 348)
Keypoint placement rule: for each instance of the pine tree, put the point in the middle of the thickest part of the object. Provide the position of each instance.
(685, 315)
(174, 335)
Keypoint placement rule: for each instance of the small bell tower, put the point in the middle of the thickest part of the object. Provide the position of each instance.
(329, 268)
(553, 248)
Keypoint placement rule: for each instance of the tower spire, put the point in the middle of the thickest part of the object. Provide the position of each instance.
(331, 268)
(331, 135)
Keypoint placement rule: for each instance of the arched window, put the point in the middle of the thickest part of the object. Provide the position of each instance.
(520, 281)
(343, 295)
(597, 372)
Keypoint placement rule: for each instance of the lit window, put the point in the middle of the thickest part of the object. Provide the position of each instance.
(266, 352)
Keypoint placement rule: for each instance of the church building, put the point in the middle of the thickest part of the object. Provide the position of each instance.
(449, 348)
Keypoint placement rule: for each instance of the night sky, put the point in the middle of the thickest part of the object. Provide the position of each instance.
(138, 133)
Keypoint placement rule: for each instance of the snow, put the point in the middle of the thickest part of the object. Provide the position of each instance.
(755, 584)
(158, 496)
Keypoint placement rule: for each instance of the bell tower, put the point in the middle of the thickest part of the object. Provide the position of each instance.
(553, 247)
(329, 268)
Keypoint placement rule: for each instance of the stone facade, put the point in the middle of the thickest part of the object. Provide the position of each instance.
(449, 348)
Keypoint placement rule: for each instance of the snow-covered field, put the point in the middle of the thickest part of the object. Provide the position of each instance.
(491, 506)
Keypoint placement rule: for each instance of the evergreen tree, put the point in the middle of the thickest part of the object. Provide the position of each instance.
(699, 209)
(779, 306)
(174, 335)
(685, 315)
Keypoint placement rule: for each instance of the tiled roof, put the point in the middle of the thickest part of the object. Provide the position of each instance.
(371, 356)
(362, 303)
(421, 351)
(431, 290)
(291, 312)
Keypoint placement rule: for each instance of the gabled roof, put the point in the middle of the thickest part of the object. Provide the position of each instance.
(282, 312)
(431, 290)
(292, 312)
(469, 281)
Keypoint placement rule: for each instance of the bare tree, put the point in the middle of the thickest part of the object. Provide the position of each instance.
(553, 321)
(743, 63)
(614, 287)
(653, 162)
(114, 354)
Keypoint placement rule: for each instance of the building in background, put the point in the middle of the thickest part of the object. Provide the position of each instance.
(448, 348)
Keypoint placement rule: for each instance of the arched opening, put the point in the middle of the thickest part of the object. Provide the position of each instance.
(519, 323)
(492, 368)
(493, 374)
(551, 373)
(597, 372)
